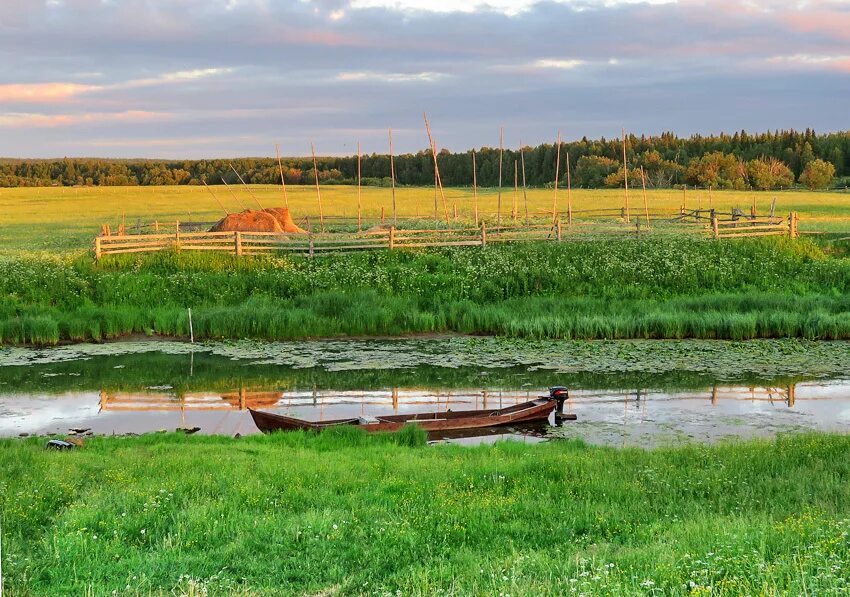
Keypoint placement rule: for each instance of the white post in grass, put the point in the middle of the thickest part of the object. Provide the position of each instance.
(191, 331)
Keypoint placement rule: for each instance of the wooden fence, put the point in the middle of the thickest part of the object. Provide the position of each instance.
(313, 244)
(750, 226)
(259, 243)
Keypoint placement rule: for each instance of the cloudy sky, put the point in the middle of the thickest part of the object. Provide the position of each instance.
(212, 78)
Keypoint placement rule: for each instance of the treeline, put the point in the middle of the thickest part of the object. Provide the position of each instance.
(777, 159)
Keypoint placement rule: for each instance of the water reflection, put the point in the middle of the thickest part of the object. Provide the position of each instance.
(633, 417)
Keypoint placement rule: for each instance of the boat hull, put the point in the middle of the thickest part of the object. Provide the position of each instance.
(536, 410)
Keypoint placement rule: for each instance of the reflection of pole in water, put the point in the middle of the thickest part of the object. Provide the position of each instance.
(792, 394)
(104, 401)
(192, 364)
(625, 416)
(714, 395)
(485, 399)
(395, 400)
(242, 398)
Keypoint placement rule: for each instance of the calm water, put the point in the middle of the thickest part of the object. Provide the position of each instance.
(151, 389)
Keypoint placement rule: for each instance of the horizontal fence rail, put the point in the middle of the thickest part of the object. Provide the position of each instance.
(312, 244)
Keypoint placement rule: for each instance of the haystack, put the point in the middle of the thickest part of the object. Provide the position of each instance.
(275, 219)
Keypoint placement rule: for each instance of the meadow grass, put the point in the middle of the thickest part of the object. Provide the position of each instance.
(344, 513)
(613, 289)
(67, 219)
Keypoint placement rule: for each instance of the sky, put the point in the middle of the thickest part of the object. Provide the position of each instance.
(190, 79)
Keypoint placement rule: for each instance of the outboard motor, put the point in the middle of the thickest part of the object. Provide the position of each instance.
(559, 393)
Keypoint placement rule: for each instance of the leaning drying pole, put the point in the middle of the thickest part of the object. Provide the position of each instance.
(246, 186)
(318, 192)
(438, 182)
(220, 204)
(232, 194)
(645, 203)
(557, 170)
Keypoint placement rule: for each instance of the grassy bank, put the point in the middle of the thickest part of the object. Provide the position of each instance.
(347, 514)
(653, 288)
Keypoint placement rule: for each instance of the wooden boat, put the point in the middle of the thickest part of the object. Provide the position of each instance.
(536, 410)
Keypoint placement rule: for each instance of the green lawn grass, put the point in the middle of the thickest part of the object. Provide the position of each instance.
(348, 514)
(67, 219)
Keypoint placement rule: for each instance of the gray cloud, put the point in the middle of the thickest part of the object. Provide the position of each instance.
(193, 78)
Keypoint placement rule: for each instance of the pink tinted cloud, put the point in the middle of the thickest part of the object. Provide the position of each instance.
(23, 120)
(43, 93)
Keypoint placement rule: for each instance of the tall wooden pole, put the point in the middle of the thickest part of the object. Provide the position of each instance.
(524, 188)
(436, 166)
(569, 193)
(318, 192)
(282, 181)
(557, 170)
(359, 191)
(499, 202)
(474, 188)
(626, 175)
(645, 202)
(392, 177)
(516, 191)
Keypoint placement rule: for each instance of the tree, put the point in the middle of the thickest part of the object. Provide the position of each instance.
(718, 170)
(591, 171)
(769, 174)
(817, 174)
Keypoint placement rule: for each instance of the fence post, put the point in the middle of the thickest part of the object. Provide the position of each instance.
(792, 225)
(392, 237)
(558, 228)
(382, 215)
(310, 238)
(715, 229)
(483, 233)
(237, 237)
(637, 226)
(156, 225)
(97, 249)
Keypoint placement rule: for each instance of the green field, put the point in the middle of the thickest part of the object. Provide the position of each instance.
(348, 514)
(67, 218)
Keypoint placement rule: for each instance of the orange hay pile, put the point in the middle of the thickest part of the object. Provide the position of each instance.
(275, 219)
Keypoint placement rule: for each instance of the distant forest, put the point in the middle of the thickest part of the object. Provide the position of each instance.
(742, 160)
